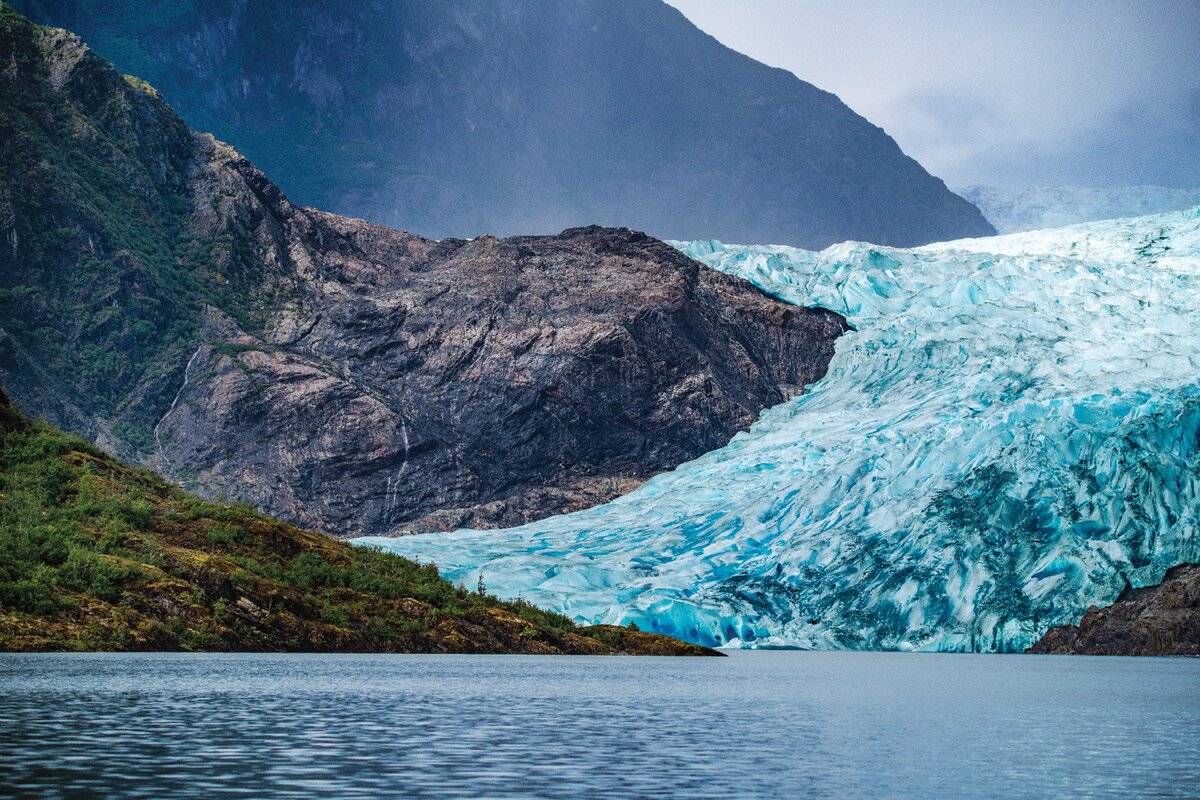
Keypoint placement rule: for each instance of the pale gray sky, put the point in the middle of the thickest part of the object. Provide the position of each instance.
(1017, 93)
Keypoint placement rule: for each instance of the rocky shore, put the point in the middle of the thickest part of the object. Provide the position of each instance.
(1159, 620)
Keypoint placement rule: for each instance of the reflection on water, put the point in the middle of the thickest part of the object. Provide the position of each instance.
(757, 724)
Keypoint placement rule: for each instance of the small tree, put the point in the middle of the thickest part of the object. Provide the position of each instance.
(632, 626)
(480, 588)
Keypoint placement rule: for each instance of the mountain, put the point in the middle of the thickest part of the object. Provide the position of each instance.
(1014, 211)
(162, 297)
(1009, 435)
(486, 383)
(95, 555)
(464, 117)
(1159, 620)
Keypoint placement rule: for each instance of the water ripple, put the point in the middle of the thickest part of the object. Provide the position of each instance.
(758, 724)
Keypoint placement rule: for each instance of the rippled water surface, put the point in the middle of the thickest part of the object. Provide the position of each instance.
(781, 724)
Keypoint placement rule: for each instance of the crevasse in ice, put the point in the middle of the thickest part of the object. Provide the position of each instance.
(1009, 435)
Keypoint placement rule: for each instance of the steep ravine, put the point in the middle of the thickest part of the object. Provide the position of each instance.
(164, 298)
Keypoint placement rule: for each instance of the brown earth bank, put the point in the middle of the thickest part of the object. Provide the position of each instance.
(164, 299)
(97, 555)
(1159, 620)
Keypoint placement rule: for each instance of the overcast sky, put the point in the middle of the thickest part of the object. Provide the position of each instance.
(1013, 93)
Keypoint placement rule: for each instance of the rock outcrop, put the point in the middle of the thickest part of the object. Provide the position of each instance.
(165, 298)
(1159, 620)
(484, 383)
(461, 117)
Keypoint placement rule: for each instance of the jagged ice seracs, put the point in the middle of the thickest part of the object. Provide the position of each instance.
(1009, 435)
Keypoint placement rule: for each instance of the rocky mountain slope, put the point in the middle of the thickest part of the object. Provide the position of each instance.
(486, 383)
(1158, 620)
(161, 296)
(517, 116)
(95, 555)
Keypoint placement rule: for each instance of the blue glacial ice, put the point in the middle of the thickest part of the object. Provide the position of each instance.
(1011, 434)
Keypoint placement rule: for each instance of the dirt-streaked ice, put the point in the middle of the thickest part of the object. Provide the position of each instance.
(1010, 434)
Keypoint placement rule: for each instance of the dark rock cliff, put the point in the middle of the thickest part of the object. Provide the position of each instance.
(461, 117)
(1159, 620)
(166, 299)
(485, 383)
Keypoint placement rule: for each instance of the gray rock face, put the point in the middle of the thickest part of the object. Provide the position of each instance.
(488, 383)
(460, 117)
(163, 297)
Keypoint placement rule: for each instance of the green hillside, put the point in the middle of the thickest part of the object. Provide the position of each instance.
(96, 555)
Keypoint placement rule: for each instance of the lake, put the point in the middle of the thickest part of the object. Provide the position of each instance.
(776, 724)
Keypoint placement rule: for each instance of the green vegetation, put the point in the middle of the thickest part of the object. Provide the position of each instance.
(96, 555)
(105, 265)
(92, 289)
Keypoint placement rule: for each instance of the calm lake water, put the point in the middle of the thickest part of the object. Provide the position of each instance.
(777, 724)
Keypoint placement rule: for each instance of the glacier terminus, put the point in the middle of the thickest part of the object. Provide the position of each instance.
(1010, 434)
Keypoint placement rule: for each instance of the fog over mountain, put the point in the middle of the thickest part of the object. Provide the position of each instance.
(498, 116)
(1015, 94)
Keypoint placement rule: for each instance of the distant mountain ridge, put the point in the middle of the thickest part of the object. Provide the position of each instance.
(523, 116)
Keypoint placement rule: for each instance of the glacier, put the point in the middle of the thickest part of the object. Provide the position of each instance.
(1016, 210)
(1010, 434)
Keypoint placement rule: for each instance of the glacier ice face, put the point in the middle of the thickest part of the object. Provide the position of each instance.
(1010, 434)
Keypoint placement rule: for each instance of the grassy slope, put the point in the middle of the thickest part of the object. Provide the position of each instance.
(96, 555)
